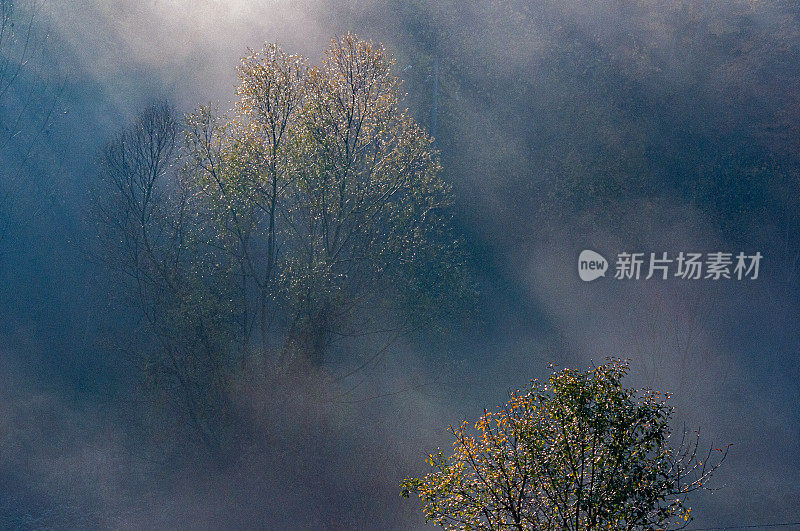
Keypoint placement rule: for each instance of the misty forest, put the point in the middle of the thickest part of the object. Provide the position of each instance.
(400, 265)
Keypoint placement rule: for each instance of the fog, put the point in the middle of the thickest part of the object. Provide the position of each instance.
(617, 126)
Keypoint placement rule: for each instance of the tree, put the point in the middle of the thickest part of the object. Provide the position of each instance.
(151, 235)
(582, 452)
(326, 195)
(27, 103)
(314, 212)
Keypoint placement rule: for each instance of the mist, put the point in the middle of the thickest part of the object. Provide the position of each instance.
(616, 126)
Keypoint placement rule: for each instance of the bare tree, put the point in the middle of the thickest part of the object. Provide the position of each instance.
(150, 237)
(26, 105)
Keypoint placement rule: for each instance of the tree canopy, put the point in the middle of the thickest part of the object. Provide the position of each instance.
(323, 188)
(578, 452)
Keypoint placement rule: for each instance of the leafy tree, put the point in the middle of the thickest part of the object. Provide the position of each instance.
(314, 211)
(581, 452)
(326, 195)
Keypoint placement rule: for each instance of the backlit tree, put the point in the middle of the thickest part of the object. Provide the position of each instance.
(580, 452)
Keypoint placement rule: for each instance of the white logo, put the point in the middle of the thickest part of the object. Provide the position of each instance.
(684, 266)
(591, 265)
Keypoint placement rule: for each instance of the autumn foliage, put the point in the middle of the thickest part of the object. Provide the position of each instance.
(578, 452)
